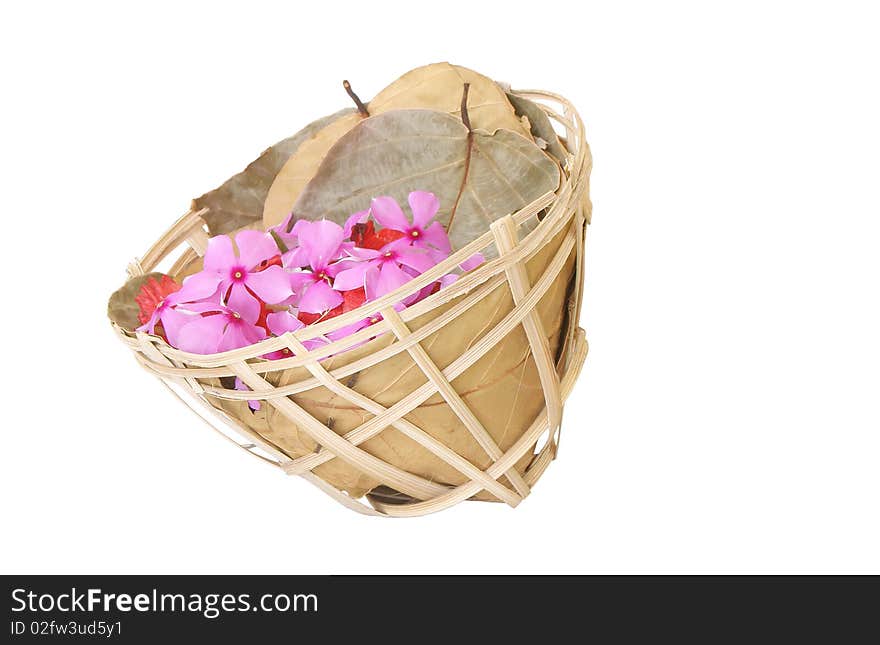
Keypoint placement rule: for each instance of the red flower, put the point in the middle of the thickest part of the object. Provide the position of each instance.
(366, 236)
(274, 261)
(351, 300)
(151, 293)
(264, 311)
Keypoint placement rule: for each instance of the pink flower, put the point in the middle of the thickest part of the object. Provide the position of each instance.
(298, 257)
(228, 275)
(281, 322)
(388, 260)
(421, 233)
(320, 248)
(430, 237)
(377, 283)
(172, 318)
(214, 327)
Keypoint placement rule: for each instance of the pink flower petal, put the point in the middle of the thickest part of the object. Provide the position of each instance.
(436, 236)
(391, 277)
(371, 283)
(281, 322)
(300, 281)
(254, 247)
(298, 226)
(415, 259)
(240, 334)
(150, 326)
(472, 262)
(424, 292)
(366, 254)
(424, 206)
(360, 217)
(173, 321)
(219, 256)
(436, 255)
(352, 278)
(319, 297)
(240, 385)
(253, 333)
(348, 330)
(202, 335)
(448, 279)
(380, 281)
(340, 265)
(387, 212)
(295, 258)
(321, 241)
(272, 285)
(244, 304)
(200, 307)
(281, 228)
(199, 286)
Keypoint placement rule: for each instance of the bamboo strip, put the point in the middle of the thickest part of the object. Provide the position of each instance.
(410, 430)
(505, 239)
(510, 457)
(453, 399)
(364, 461)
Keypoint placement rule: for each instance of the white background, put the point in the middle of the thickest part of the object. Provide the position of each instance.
(727, 419)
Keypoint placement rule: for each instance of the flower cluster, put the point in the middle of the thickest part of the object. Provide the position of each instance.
(299, 273)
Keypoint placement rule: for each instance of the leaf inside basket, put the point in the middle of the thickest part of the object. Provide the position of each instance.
(539, 124)
(239, 201)
(436, 87)
(122, 308)
(477, 176)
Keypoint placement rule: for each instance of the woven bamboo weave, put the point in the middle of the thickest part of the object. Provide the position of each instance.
(346, 462)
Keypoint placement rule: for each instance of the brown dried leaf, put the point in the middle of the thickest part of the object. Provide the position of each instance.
(436, 87)
(122, 307)
(301, 167)
(239, 201)
(439, 86)
(539, 124)
(477, 177)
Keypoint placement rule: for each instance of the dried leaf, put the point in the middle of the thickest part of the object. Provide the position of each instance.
(477, 177)
(539, 124)
(439, 86)
(123, 308)
(301, 167)
(436, 87)
(239, 201)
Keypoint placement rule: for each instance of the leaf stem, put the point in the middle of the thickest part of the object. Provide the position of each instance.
(466, 120)
(357, 101)
(281, 245)
(291, 222)
(465, 117)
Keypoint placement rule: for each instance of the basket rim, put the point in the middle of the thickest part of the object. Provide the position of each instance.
(571, 173)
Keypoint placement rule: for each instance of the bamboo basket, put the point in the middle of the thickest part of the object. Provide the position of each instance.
(483, 424)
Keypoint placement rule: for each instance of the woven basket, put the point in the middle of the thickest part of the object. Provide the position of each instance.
(388, 419)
